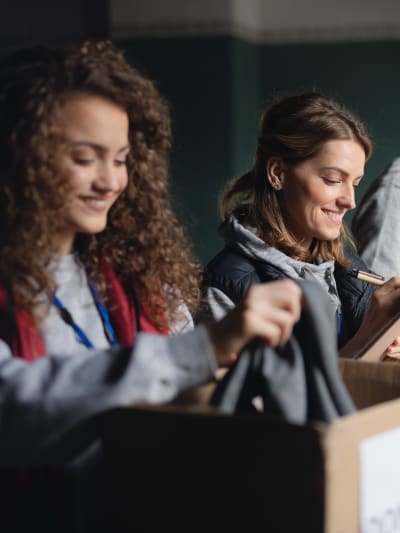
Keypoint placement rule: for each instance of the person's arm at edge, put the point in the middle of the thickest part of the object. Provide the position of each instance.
(41, 402)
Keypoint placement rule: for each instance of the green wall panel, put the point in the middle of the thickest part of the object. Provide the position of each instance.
(247, 91)
(195, 75)
(217, 88)
(363, 76)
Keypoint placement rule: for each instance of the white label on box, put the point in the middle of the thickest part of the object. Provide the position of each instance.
(380, 483)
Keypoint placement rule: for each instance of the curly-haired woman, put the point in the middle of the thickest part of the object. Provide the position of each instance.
(90, 246)
(91, 251)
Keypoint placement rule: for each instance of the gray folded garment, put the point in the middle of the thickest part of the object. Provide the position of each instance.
(298, 382)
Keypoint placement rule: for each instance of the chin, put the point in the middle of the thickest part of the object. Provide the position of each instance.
(93, 229)
(328, 237)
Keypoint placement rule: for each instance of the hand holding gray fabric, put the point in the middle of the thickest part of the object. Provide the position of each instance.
(299, 381)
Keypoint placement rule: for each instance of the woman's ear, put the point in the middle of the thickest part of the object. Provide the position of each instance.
(275, 173)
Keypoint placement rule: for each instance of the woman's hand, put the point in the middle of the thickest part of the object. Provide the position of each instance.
(268, 311)
(393, 351)
(384, 304)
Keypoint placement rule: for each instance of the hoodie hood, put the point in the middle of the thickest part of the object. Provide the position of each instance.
(244, 239)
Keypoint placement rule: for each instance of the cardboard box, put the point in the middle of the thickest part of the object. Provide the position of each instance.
(352, 446)
(371, 383)
(192, 469)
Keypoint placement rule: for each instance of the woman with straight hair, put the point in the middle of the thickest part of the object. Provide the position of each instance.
(284, 218)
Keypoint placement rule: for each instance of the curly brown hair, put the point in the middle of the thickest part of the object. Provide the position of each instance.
(293, 128)
(143, 237)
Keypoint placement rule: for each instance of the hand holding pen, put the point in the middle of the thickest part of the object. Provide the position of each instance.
(393, 350)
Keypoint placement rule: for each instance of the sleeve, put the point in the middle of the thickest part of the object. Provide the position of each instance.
(48, 408)
(376, 224)
(184, 323)
(216, 306)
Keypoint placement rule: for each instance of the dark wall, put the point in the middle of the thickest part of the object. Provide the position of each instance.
(213, 86)
(363, 76)
(247, 93)
(196, 77)
(50, 22)
(217, 88)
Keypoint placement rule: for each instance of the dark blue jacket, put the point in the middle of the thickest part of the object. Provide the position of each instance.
(233, 273)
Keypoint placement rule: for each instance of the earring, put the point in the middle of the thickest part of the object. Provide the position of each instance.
(277, 186)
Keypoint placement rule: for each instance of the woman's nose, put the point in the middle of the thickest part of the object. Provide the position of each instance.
(108, 177)
(348, 198)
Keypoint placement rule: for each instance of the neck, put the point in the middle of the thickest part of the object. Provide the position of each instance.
(65, 245)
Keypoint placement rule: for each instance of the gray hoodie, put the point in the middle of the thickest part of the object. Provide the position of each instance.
(244, 239)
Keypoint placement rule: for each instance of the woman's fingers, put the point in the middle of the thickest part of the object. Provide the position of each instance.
(394, 348)
(268, 311)
(273, 329)
(384, 304)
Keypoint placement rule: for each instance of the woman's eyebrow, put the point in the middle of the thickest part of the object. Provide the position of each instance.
(125, 148)
(99, 147)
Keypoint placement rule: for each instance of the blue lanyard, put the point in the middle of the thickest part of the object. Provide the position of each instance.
(104, 315)
(339, 323)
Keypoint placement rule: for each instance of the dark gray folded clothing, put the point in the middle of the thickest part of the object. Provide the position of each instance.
(299, 381)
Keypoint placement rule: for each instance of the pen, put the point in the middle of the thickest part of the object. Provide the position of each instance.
(376, 279)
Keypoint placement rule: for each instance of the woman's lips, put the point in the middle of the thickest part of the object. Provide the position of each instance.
(334, 216)
(97, 204)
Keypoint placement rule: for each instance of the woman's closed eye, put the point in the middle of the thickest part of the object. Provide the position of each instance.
(120, 162)
(83, 157)
(331, 181)
(83, 161)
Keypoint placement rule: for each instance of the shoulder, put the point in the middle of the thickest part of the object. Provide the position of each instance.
(231, 263)
(231, 272)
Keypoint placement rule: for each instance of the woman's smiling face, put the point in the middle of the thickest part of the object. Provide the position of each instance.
(317, 193)
(93, 161)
